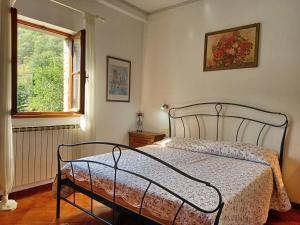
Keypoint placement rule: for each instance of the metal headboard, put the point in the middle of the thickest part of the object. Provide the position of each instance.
(218, 112)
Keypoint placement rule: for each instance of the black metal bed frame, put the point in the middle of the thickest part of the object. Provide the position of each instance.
(117, 153)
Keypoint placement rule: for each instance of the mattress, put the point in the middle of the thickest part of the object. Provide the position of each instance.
(247, 176)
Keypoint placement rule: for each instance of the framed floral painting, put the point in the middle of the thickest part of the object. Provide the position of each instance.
(232, 48)
(118, 79)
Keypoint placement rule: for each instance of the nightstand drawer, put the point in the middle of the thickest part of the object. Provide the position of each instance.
(139, 139)
(140, 143)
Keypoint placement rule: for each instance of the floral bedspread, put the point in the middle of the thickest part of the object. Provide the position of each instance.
(247, 176)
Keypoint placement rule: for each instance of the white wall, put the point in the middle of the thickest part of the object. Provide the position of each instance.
(173, 74)
(121, 36)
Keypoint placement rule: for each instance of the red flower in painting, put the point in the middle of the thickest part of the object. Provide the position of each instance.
(245, 45)
(230, 50)
(218, 53)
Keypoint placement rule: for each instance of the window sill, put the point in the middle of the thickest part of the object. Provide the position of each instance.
(22, 115)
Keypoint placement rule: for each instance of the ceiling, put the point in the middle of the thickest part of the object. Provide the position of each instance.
(151, 6)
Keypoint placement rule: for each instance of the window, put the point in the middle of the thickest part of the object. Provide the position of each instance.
(48, 72)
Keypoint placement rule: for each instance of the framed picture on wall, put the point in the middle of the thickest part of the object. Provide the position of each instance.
(232, 48)
(118, 72)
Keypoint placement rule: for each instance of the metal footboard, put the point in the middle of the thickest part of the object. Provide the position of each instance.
(117, 154)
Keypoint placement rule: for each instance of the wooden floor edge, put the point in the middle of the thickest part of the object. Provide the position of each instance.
(30, 191)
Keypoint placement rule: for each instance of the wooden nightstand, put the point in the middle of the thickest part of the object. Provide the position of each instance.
(139, 139)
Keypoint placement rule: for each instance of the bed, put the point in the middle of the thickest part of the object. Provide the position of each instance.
(190, 177)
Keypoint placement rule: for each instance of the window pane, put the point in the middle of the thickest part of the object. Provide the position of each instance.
(76, 55)
(40, 71)
(76, 92)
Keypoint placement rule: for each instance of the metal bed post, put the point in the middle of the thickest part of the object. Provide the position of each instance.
(283, 141)
(116, 160)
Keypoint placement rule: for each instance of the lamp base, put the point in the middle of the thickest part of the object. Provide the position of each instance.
(6, 205)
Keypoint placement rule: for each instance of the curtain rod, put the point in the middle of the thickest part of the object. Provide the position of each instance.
(77, 10)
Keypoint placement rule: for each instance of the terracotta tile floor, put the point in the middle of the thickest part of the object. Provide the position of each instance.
(38, 208)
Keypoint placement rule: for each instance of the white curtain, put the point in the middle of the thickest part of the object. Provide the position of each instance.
(88, 120)
(6, 148)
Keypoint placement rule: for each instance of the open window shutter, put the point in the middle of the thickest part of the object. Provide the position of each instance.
(14, 58)
(78, 73)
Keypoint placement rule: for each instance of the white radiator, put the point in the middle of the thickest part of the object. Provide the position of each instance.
(35, 151)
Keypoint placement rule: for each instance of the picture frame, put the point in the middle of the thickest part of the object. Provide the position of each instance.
(118, 79)
(232, 48)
